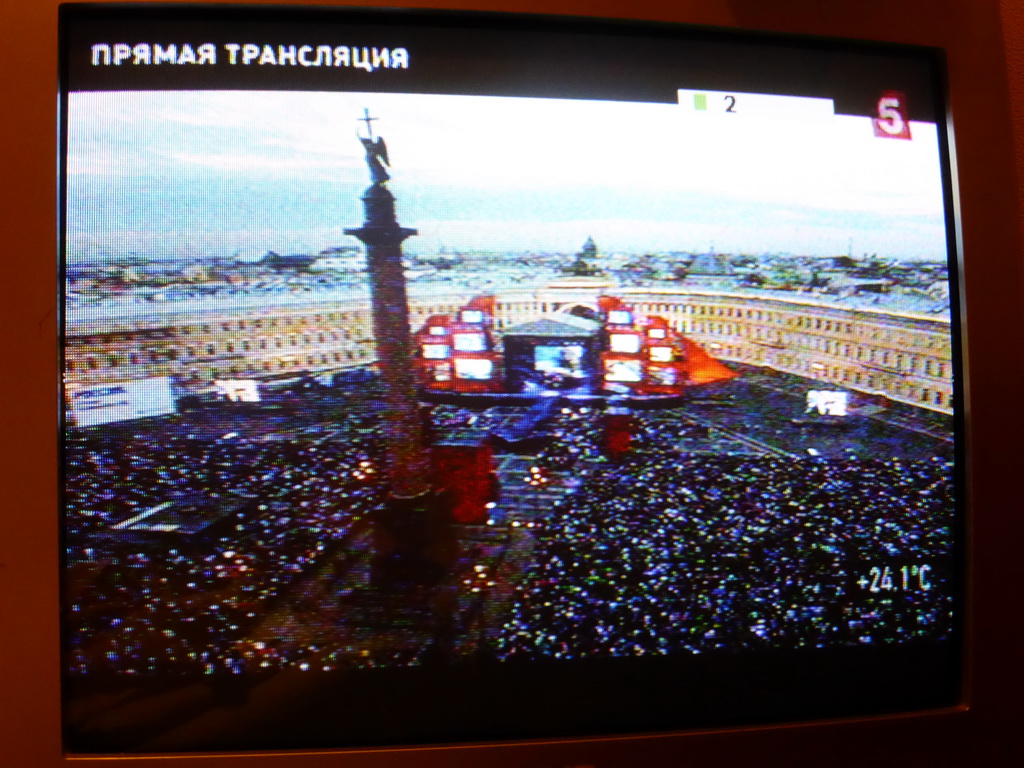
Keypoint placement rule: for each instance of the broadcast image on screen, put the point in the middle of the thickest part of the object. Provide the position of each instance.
(701, 426)
(564, 359)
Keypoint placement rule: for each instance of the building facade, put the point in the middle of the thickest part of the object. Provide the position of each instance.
(905, 357)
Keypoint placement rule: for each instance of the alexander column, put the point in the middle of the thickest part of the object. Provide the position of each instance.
(412, 532)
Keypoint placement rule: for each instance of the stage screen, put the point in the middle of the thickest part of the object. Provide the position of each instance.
(471, 368)
(436, 351)
(469, 342)
(628, 343)
(717, 538)
(566, 359)
(623, 370)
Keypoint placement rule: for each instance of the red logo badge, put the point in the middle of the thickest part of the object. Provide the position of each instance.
(892, 121)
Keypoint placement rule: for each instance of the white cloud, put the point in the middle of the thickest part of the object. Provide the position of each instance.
(535, 159)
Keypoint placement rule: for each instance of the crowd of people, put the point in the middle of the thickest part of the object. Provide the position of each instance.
(137, 605)
(669, 553)
(575, 437)
(672, 548)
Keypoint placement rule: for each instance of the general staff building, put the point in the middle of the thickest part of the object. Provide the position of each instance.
(903, 356)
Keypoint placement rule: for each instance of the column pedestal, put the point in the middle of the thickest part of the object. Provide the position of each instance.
(414, 542)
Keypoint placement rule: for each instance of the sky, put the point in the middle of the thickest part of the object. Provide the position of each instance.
(222, 173)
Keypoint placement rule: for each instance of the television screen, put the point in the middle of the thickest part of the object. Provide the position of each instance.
(623, 370)
(469, 368)
(469, 342)
(567, 359)
(719, 556)
(436, 351)
(627, 343)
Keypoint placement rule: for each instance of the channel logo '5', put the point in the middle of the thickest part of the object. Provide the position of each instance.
(892, 121)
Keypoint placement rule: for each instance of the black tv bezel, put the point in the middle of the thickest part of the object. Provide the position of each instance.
(953, 697)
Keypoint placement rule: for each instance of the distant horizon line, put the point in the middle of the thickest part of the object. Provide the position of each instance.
(453, 251)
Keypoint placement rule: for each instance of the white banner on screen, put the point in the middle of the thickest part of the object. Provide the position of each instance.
(238, 390)
(827, 403)
(120, 401)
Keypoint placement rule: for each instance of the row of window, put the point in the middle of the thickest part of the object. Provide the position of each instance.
(349, 320)
(894, 386)
(286, 364)
(889, 335)
(895, 336)
(352, 325)
(235, 347)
